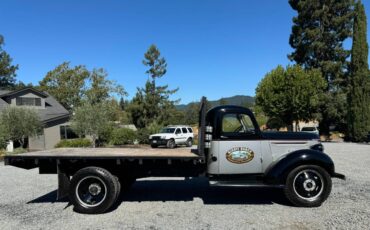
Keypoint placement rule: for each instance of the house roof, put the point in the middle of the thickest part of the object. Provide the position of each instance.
(7, 93)
(53, 109)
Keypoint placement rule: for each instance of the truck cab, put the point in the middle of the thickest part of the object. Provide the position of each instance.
(238, 153)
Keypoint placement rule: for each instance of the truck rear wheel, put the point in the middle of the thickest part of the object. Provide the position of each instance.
(93, 190)
(308, 186)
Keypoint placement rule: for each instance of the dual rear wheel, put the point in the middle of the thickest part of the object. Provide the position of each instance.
(94, 190)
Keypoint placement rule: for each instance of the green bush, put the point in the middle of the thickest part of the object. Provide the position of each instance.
(143, 136)
(122, 136)
(74, 143)
(19, 150)
(3, 142)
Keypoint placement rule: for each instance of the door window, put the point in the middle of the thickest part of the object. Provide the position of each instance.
(178, 131)
(234, 124)
(184, 130)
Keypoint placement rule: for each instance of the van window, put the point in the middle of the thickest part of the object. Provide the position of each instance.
(178, 131)
(184, 130)
(190, 130)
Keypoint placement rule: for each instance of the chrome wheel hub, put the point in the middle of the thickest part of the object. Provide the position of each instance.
(309, 185)
(94, 189)
(91, 191)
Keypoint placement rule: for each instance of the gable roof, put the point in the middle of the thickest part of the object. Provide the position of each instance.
(53, 109)
(8, 93)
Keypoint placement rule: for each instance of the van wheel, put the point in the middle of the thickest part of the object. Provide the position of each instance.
(308, 186)
(171, 144)
(93, 190)
(189, 142)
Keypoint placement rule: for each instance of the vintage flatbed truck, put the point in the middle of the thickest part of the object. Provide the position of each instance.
(232, 151)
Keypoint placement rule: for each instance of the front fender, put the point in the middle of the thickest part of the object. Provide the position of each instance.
(278, 171)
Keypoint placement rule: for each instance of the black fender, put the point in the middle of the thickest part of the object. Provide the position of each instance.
(277, 172)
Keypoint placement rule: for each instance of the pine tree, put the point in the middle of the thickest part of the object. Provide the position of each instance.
(157, 65)
(152, 104)
(317, 37)
(7, 70)
(359, 82)
(122, 104)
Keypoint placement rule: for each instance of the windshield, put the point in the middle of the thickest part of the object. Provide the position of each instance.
(308, 129)
(167, 130)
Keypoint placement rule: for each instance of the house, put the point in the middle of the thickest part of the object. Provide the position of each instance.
(54, 117)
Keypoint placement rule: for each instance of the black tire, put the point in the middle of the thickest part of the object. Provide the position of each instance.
(308, 186)
(189, 142)
(88, 181)
(119, 186)
(154, 146)
(171, 144)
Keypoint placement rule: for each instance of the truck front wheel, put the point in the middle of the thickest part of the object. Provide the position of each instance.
(93, 190)
(308, 186)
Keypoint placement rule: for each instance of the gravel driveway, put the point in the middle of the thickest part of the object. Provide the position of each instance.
(27, 201)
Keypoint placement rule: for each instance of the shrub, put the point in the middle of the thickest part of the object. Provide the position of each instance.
(2, 152)
(19, 150)
(143, 136)
(74, 143)
(3, 142)
(123, 136)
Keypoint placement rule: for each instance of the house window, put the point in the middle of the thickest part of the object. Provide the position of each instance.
(67, 133)
(28, 101)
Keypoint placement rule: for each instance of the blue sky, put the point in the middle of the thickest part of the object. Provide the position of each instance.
(216, 48)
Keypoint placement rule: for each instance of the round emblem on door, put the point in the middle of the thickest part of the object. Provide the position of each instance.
(239, 155)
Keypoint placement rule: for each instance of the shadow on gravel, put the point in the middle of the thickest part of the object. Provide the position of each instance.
(50, 197)
(187, 190)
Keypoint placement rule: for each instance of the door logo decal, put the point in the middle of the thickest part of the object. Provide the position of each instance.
(239, 155)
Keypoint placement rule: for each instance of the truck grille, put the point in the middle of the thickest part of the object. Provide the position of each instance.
(156, 138)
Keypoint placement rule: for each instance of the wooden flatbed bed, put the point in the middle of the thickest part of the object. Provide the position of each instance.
(135, 158)
(139, 152)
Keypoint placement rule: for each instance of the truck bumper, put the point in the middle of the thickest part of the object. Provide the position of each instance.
(339, 176)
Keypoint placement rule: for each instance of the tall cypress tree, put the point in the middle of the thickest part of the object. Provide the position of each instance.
(359, 82)
(318, 33)
(7, 70)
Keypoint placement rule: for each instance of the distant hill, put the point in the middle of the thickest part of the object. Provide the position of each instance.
(242, 100)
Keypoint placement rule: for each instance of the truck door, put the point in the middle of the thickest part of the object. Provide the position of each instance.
(239, 145)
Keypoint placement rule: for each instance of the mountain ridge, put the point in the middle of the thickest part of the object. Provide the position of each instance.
(242, 100)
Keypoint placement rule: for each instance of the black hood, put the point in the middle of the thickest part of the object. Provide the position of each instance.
(289, 136)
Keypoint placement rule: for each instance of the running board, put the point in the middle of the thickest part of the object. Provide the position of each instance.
(234, 183)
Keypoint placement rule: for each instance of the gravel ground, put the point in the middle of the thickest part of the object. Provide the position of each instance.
(27, 201)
